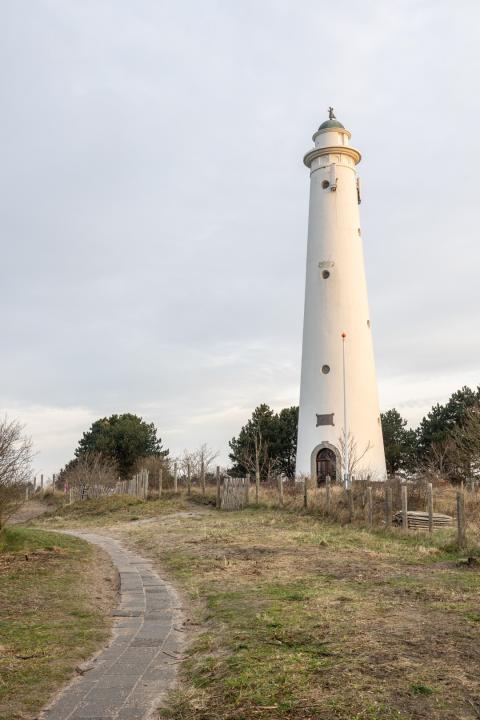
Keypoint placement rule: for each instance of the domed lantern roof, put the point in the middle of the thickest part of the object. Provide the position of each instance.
(331, 123)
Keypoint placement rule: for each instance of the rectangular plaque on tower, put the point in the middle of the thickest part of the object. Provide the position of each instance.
(325, 419)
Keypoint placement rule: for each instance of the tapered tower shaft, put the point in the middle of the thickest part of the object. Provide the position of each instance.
(338, 379)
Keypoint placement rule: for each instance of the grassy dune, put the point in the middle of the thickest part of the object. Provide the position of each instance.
(55, 595)
(110, 510)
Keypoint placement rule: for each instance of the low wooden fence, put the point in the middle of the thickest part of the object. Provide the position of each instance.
(411, 506)
(137, 486)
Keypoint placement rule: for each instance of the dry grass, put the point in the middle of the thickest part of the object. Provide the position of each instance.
(299, 618)
(55, 595)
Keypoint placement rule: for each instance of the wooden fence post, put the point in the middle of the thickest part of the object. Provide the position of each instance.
(350, 501)
(327, 495)
(280, 490)
(160, 482)
(26, 493)
(53, 482)
(41, 482)
(305, 492)
(189, 479)
(404, 507)
(202, 476)
(247, 488)
(217, 473)
(175, 479)
(430, 506)
(388, 505)
(370, 506)
(461, 534)
(34, 483)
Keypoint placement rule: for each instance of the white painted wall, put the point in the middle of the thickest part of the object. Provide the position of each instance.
(335, 305)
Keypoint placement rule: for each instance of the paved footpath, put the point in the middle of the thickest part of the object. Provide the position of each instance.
(126, 680)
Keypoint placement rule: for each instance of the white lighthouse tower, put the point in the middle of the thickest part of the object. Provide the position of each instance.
(339, 430)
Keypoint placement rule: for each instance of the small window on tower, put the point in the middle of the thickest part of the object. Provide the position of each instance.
(325, 184)
(325, 274)
(325, 369)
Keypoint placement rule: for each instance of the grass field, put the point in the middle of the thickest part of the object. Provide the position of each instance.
(296, 618)
(55, 595)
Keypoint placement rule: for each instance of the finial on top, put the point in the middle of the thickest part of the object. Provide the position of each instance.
(331, 114)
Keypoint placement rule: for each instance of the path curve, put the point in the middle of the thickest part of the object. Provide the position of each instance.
(126, 681)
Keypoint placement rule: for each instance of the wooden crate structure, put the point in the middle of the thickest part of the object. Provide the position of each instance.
(419, 520)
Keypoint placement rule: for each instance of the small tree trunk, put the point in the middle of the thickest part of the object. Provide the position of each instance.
(280, 490)
(247, 488)
(202, 473)
(160, 482)
(189, 480)
(175, 478)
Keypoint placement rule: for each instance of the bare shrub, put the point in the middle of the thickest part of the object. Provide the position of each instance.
(15, 467)
(199, 463)
(356, 465)
(90, 470)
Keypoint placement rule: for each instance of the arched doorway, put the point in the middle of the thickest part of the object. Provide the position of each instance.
(326, 465)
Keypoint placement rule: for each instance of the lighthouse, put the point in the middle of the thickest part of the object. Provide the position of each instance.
(339, 428)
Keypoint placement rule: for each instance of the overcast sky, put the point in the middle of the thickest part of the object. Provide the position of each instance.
(153, 204)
